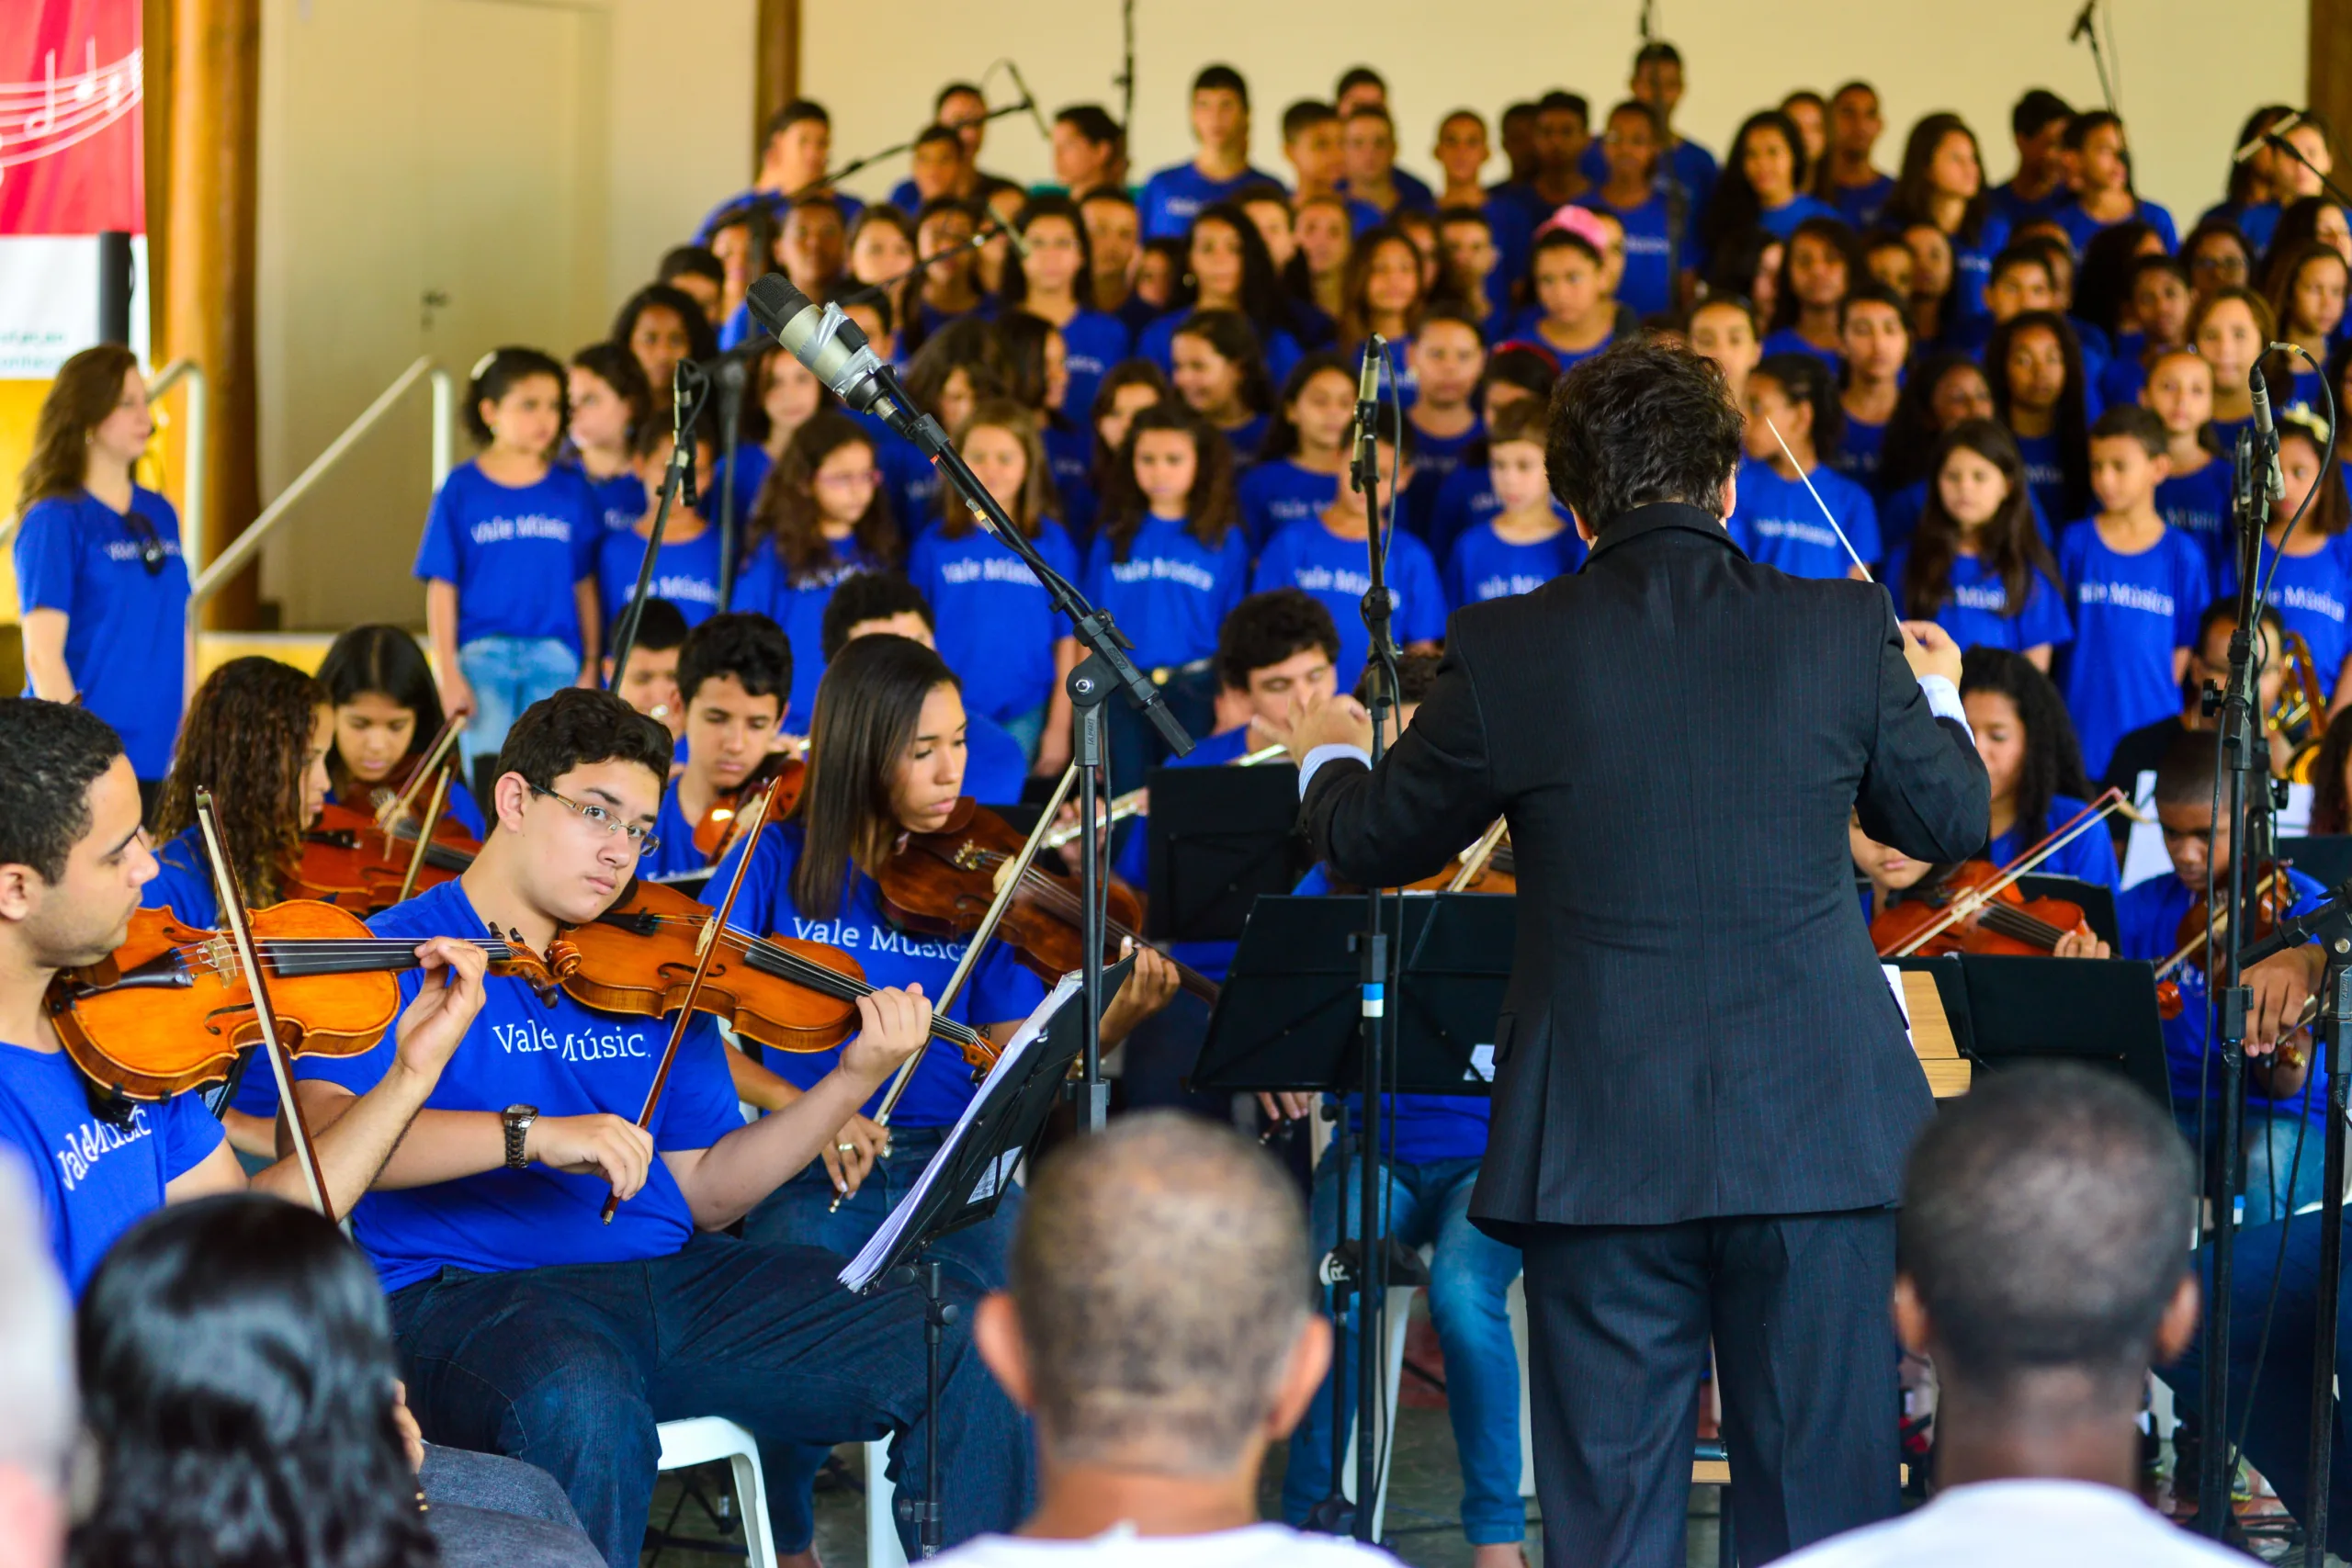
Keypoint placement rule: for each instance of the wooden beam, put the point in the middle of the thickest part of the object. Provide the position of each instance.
(209, 277)
(2330, 72)
(776, 54)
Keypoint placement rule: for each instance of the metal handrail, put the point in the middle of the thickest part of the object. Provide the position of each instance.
(246, 546)
(193, 470)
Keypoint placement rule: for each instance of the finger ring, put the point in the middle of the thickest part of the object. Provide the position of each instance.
(846, 1148)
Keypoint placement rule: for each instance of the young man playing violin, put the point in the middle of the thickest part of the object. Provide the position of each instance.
(73, 863)
(734, 676)
(532, 1328)
(2286, 1098)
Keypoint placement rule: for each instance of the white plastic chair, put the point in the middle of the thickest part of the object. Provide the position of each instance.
(882, 1548)
(705, 1440)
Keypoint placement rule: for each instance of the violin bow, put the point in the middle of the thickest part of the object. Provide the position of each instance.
(425, 832)
(397, 811)
(1475, 858)
(1826, 515)
(2074, 827)
(281, 1061)
(707, 954)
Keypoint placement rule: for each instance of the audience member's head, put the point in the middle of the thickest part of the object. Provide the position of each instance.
(36, 1383)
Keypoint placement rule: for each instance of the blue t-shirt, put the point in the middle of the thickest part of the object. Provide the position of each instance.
(1860, 204)
(1092, 344)
(513, 552)
(1781, 221)
(1069, 454)
(2121, 380)
(567, 1059)
(2259, 222)
(2147, 918)
(1857, 457)
(1156, 343)
(125, 627)
(93, 1181)
(183, 882)
(1972, 268)
(686, 573)
(1686, 164)
(1173, 593)
(1174, 197)
(742, 480)
(2045, 475)
(999, 989)
(1435, 458)
(673, 851)
(1977, 606)
(623, 498)
(908, 477)
(2082, 228)
(2311, 594)
(1788, 340)
(997, 627)
(1484, 566)
(2130, 612)
(1651, 259)
(2016, 211)
(1778, 523)
(1338, 573)
(1276, 494)
(2197, 505)
(797, 604)
(776, 202)
(1465, 499)
(2089, 855)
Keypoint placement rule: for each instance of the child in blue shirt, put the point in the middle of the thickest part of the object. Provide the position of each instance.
(1942, 186)
(1763, 185)
(823, 517)
(1174, 197)
(999, 629)
(1304, 458)
(2035, 365)
(1526, 544)
(1874, 340)
(1222, 377)
(2308, 573)
(2034, 764)
(1819, 267)
(734, 671)
(1227, 268)
(1977, 566)
(99, 575)
(1572, 314)
(1448, 360)
(387, 716)
(509, 556)
(1051, 275)
(685, 569)
(1515, 373)
(2099, 169)
(1776, 519)
(1327, 558)
(2135, 588)
(1647, 205)
(608, 403)
(995, 766)
(2194, 498)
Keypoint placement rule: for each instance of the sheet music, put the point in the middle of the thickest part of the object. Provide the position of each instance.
(867, 1264)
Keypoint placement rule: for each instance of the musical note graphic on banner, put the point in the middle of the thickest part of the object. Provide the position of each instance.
(40, 120)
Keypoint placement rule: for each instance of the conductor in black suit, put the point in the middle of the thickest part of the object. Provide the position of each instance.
(1703, 1089)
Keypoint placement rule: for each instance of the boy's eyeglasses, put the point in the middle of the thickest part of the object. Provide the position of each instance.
(640, 842)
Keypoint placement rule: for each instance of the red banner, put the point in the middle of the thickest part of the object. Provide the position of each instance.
(72, 159)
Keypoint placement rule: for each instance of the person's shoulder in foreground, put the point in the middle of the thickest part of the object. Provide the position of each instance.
(2021, 1524)
(1253, 1546)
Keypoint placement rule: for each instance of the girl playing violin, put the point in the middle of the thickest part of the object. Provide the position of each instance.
(1892, 877)
(2028, 744)
(386, 714)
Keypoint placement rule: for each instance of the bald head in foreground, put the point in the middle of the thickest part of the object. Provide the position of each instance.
(1161, 1329)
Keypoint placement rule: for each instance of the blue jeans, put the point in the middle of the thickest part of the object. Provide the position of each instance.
(572, 1367)
(2270, 1154)
(800, 1214)
(1469, 1276)
(508, 674)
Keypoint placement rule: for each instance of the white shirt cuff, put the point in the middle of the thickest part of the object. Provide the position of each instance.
(1322, 755)
(1943, 701)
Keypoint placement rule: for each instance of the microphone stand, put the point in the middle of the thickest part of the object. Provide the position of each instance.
(880, 289)
(689, 376)
(2281, 144)
(2086, 27)
(733, 375)
(858, 164)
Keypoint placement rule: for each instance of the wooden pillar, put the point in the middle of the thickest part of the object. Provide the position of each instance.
(2330, 74)
(776, 52)
(209, 274)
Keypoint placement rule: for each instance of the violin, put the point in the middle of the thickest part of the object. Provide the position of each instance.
(348, 858)
(715, 834)
(1484, 867)
(941, 883)
(1975, 909)
(171, 1008)
(2274, 895)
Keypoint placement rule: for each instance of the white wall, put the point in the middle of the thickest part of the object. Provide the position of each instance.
(2190, 69)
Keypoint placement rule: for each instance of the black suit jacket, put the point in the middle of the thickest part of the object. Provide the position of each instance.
(1696, 1023)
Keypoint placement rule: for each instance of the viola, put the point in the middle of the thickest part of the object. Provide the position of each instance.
(171, 1007)
(1976, 909)
(639, 956)
(715, 834)
(943, 883)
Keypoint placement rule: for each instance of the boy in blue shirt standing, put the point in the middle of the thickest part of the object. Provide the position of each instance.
(1174, 197)
(531, 1328)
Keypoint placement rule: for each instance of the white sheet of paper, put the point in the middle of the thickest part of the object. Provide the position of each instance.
(1894, 983)
(1482, 1064)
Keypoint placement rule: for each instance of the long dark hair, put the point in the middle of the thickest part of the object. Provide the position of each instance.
(2241, 172)
(387, 661)
(867, 706)
(86, 390)
(2285, 269)
(2009, 542)
(1210, 512)
(1124, 374)
(1733, 205)
(2331, 806)
(1281, 434)
(2070, 418)
(786, 512)
(236, 1365)
(702, 341)
(2053, 758)
(245, 738)
(2103, 283)
(1912, 199)
(2298, 221)
(1237, 343)
(1012, 289)
(1909, 452)
(1038, 500)
(1260, 285)
(1355, 315)
(1839, 236)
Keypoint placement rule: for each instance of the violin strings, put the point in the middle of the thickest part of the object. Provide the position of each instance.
(786, 965)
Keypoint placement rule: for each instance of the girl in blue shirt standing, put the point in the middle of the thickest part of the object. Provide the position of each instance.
(1817, 269)
(1763, 184)
(1942, 184)
(386, 717)
(2194, 498)
(608, 403)
(2311, 582)
(1448, 360)
(99, 575)
(1131, 387)
(509, 556)
(823, 517)
(1526, 544)
(1304, 460)
(1573, 315)
(1051, 275)
(2101, 168)
(1221, 375)
(2035, 365)
(686, 572)
(1977, 566)
(997, 627)
(1227, 268)
(1776, 519)
(2028, 744)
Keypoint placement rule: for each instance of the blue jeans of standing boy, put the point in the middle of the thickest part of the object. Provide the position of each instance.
(571, 1366)
(508, 674)
(2271, 1139)
(1470, 1274)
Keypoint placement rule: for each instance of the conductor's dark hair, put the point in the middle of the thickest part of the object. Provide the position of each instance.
(55, 754)
(577, 727)
(2041, 1226)
(741, 643)
(1641, 422)
(2053, 758)
(869, 596)
(236, 1365)
(501, 370)
(1267, 629)
(660, 626)
(1415, 676)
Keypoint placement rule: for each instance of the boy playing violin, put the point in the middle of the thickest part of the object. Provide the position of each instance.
(734, 676)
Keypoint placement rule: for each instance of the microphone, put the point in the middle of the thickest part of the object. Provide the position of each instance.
(1029, 101)
(2262, 137)
(830, 344)
(2266, 436)
(1367, 412)
(2083, 22)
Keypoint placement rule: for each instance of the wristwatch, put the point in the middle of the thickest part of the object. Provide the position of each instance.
(518, 1120)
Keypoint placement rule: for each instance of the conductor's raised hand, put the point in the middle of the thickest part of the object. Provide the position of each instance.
(1327, 721)
(1931, 650)
(893, 1024)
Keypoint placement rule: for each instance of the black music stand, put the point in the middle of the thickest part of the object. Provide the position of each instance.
(1219, 837)
(2096, 900)
(2325, 858)
(2099, 1012)
(966, 1181)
